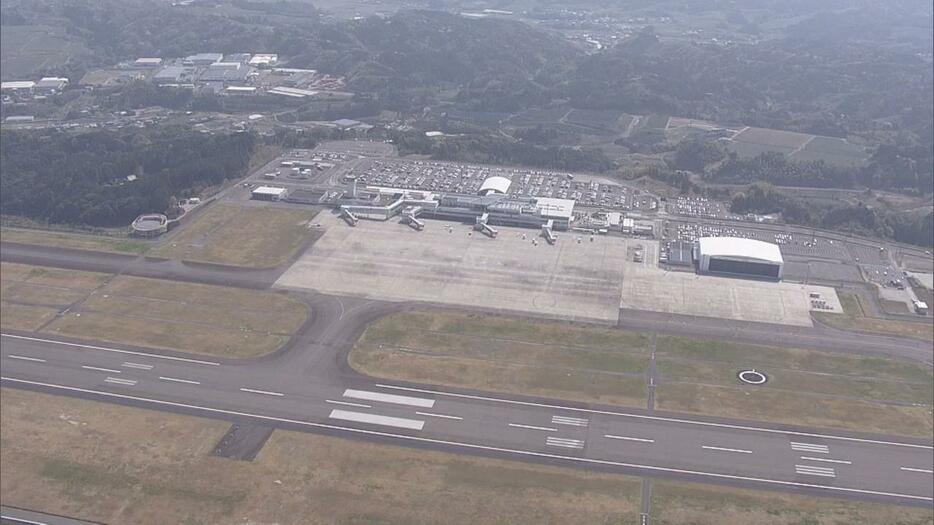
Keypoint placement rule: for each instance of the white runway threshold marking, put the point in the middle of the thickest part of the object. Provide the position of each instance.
(533, 427)
(375, 419)
(263, 392)
(389, 398)
(824, 460)
(177, 380)
(627, 438)
(24, 358)
(118, 381)
(660, 418)
(572, 421)
(99, 369)
(566, 443)
(722, 449)
(466, 445)
(138, 366)
(912, 469)
(810, 447)
(105, 349)
(810, 470)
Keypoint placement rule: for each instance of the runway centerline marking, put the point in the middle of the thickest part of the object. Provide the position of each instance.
(99, 369)
(347, 403)
(263, 392)
(389, 398)
(660, 418)
(25, 358)
(435, 441)
(824, 460)
(117, 350)
(913, 469)
(724, 449)
(627, 438)
(533, 427)
(177, 380)
(376, 419)
(442, 416)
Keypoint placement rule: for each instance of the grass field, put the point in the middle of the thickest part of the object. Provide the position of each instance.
(599, 364)
(833, 151)
(495, 353)
(66, 456)
(79, 241)
(655, 121)
(677, 503)
(853, 318)
(256, 237)
(194, 318)
(26, 50)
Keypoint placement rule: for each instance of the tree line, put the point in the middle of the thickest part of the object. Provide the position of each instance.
(66, 178)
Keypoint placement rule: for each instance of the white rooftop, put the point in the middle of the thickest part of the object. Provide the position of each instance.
(495, 184)
(552, 207)
(17, 84)
(269, 190)
(740, 248)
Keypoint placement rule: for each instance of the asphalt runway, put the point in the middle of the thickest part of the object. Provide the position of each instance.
(308, 386)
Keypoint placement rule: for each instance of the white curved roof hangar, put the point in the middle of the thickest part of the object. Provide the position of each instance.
(495, 185)
(738, 248)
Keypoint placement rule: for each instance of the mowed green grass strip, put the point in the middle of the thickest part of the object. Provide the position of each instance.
(184, 317)
(505, 354)
(677, 503)
(249, 236)
(594, 363)
(78, 241)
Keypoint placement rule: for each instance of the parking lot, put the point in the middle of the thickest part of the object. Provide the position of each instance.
(466, 178)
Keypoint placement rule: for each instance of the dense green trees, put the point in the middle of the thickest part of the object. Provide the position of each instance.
(856, 218)
(82, 178)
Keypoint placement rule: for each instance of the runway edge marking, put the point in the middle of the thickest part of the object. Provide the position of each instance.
(471, 445)
(659, 418)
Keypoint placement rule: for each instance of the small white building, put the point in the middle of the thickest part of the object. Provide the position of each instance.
(147, 62)
(264, 60)
(269, 193)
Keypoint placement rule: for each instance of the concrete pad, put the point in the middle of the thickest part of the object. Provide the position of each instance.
(391, 261)
(646, 288)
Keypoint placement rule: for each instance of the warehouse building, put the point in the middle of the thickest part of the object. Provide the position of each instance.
(740, 257)
(269, 193)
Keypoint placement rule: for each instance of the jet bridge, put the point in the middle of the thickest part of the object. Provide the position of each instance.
(349, 217)
(483, 226)
(548, 233)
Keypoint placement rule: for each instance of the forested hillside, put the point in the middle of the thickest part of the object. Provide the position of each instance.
(82, 179)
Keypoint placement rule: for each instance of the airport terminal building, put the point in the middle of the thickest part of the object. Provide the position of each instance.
(740, 257)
